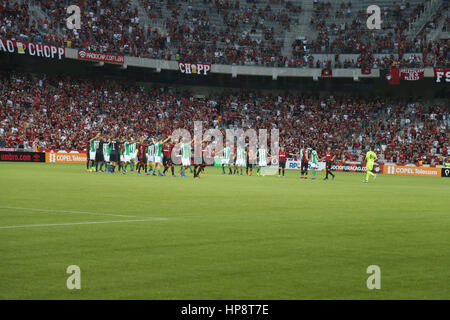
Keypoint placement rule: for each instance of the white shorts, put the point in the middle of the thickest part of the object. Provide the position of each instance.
(225, 161)
(240, 163)
(133, 156)
(263, 164)
(186, 162)
(157, 159)
(106, 158)
(313, 165)
(122, 158)
(91, 155)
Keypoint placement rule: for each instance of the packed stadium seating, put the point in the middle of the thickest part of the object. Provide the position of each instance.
(63, 113)
(253, 32)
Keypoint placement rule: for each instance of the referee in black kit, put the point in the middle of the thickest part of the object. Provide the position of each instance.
(99, 158)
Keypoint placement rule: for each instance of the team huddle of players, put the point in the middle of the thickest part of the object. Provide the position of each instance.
(154, 157)
(308, 158)
(146, 156)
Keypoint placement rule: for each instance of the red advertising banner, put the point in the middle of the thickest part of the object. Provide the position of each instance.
(101, 57)
(32, 49)
(442, 75)
(22, 156)
(194, 68)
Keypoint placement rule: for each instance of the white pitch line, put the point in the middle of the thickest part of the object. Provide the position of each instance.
(79, 223)
(70, 212)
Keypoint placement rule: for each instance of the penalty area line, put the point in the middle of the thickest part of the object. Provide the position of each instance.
(80, 223)
(69, 212)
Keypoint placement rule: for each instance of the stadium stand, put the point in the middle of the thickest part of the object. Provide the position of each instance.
(263, 33)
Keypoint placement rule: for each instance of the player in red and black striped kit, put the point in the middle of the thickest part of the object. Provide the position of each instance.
(329, 158)
(142, 157)
(249, 164)
(305, 162)
(282, 161)
(199, 168)
(167, 158)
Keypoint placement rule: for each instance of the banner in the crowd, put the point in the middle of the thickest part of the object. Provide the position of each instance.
(101, 57)
(412, 171)
(393, 76)
(65, 157)
(22, 156)
(295, 165)
(32, 49)
(366, 71)
(194, 68)
(442, 75)
(445, 172)
(412, 74)
(7, 149)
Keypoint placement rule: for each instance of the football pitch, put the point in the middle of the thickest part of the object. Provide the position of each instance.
(221, 237)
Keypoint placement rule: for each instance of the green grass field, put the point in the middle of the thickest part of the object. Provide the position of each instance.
(220, 237)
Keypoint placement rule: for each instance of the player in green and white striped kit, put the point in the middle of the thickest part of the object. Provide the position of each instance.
(124, 156)
(133, 155)
(106, 154)
(314, 162)
(185, 157)
(157, 156)
(151, 157)
(94, 144)
(226, 159)
(262, 155)
(241, 159)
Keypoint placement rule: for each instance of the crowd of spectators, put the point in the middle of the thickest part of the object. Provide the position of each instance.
(251, 32)
(63, 113)
(226, 31)
(346, 32)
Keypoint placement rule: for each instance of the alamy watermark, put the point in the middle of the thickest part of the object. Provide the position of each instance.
(374, 20)
(74, 280)
(374, 281)
(74, 20)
